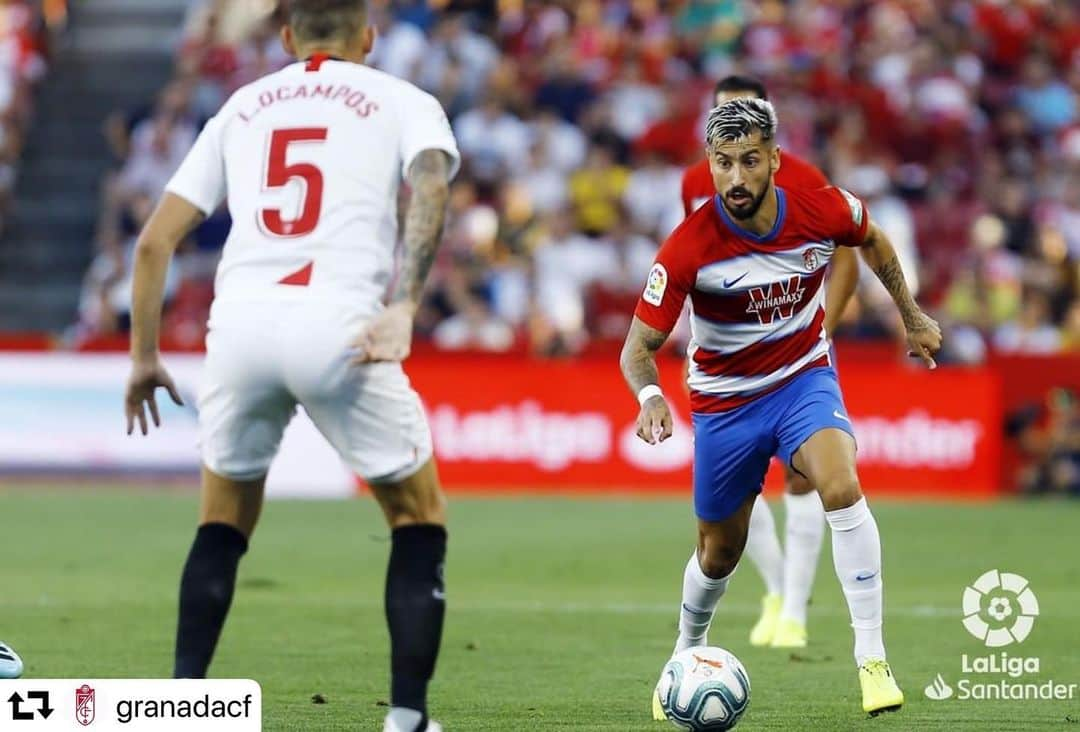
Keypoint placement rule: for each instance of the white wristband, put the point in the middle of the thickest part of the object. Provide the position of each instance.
(648, 392)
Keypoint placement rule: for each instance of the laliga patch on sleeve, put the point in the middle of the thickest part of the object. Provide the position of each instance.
(855, 205)
(657, 283)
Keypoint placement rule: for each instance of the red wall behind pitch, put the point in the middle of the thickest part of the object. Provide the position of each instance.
(933, 433)
(541, 424)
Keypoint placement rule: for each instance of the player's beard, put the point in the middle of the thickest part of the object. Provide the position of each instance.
(746, 210)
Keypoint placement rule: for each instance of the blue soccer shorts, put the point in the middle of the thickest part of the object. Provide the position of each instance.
(732, 449)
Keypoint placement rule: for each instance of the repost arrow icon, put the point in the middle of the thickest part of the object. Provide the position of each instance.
(45, 709)
(16, 710)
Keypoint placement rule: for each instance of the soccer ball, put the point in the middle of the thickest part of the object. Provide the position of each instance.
(11, 666)
(704, 688)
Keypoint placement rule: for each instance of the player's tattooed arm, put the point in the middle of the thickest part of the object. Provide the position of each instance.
(881, 257)
(638, 363)
(923, 332)
(388, 337)
(638, 359)
(429, 179)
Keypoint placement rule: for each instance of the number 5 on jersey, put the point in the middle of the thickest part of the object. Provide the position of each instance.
(279, 173)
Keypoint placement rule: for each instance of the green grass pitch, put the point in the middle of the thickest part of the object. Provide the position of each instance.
(561, 612)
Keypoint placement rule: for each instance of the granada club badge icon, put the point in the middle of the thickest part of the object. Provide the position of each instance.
(84, 705)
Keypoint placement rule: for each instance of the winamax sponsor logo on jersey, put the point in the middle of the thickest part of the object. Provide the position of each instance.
(999, 610)
(778, 300)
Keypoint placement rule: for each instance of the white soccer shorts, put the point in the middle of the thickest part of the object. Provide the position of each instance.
(264, 359)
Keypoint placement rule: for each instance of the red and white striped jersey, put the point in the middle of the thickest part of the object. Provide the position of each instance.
(757, 304)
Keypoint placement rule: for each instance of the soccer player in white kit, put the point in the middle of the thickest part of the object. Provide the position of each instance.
(310, 159)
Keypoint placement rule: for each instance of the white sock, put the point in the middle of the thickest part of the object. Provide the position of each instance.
(857, 553)
(699, 597)
(804, 531)
(403, 718)
(763, 546)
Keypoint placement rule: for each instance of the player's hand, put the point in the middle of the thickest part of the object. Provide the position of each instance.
(924, 338)
(654, 422)
(146, 377)
(388, 336)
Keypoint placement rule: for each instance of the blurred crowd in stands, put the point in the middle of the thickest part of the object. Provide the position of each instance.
(23, 56)
(1047, 434)
(957, 121)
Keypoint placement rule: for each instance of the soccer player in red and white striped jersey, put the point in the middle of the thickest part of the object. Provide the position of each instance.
(788, 573)
(752, 262)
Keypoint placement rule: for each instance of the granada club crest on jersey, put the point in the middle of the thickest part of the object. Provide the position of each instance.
(778, 300)
(810, 259)
(656, 284)
(84, 705)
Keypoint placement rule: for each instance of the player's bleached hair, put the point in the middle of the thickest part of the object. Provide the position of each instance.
(738, 119)
(320, 20)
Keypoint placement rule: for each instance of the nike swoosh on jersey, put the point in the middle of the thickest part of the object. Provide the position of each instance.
(836, 413)
(732, 283)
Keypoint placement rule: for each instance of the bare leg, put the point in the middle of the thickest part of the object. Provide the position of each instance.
(237, 503)
(417, 499)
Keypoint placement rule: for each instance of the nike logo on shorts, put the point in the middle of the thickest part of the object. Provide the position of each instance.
(865, 576)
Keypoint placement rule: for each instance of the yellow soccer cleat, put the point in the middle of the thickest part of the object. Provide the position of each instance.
(763, 631)
(657, 709)
(789, 634)
(879, 690)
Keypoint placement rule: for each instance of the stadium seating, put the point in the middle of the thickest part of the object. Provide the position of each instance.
(575, 116)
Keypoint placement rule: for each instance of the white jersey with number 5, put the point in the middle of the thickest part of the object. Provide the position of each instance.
(310, 159)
